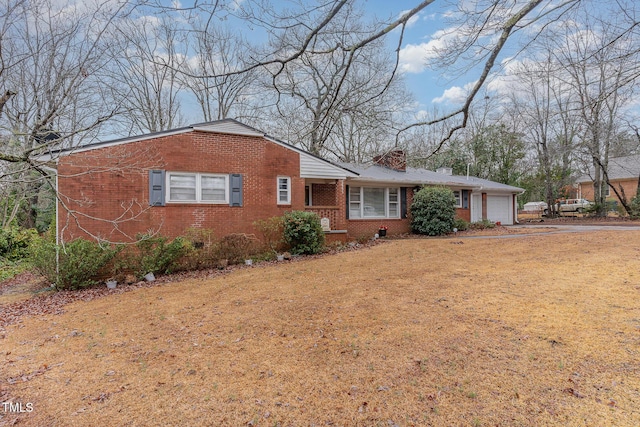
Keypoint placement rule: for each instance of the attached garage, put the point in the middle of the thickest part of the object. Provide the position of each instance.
(499, 209)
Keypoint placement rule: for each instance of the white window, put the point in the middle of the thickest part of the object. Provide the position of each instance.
(371, 202)
(197, 187)
(458, 195)
(393, 204)
(284, 190)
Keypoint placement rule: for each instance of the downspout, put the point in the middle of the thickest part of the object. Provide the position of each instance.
(57, 231)
(515, 206)
(54, 170)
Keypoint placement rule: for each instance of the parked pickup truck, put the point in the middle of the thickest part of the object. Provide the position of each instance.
(573, 205)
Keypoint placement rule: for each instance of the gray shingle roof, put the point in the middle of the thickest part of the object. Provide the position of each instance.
(627, 167)
(414, 176)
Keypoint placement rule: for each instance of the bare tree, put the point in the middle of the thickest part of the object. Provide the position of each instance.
(334, 95)
(219, 52)
(146, 73)
(51, 60)
(541, 99)
(598, 73)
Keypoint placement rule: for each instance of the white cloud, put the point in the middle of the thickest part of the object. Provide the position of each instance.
(412, 21)
(236, 4)
(455, 94)
(414, 58)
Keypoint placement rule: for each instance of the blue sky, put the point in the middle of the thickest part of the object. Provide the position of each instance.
(424, 83)
(434, 87)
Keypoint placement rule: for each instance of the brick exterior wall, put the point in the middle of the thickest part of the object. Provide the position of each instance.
(323, 195)
(630, 187)
(396, 160)
(331, 204)
(105, 192)
(463, 213)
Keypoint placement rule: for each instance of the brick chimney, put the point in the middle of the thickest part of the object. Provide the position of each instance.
(395, 160)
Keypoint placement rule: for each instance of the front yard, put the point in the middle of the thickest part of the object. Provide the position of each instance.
(533, 330)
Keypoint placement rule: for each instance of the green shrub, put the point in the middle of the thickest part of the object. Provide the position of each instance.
(460, 224)
(635, 207)
(81, 262)
(15, 242)
(482, 225)
(303, 232)
(159, 255)
(9, 269)
(433, 211)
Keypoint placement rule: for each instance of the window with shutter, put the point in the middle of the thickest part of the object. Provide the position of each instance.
(186, 187)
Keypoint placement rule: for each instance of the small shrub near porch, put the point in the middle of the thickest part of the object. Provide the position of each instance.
(303, 232)
(433, 211)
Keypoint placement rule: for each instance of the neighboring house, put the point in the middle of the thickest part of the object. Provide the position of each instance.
(225, 175)
(623, 173)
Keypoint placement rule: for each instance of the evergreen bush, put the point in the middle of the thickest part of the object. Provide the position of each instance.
(460, 224)
(15, 242)
(303, 232)
(482, 225)
(635, 207)
(433, 211)
(159, 255)
(81, 262)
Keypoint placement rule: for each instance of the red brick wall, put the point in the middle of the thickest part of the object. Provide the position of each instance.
(463, 213)
(335, 210)
(105, 191)
(323, 194)
(630, 187)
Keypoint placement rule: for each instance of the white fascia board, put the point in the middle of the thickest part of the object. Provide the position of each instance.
(228, 132)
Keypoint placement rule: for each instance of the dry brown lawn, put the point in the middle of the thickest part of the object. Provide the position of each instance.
(525, 331)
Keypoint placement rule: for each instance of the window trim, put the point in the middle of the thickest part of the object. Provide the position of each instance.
(458, 199)
(198, 177)
(288, 190)
(361, 202)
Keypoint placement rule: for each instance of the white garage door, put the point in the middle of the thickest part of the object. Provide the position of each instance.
(499, 209)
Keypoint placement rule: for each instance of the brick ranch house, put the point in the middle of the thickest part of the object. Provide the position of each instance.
(225, 175)
(624, 174)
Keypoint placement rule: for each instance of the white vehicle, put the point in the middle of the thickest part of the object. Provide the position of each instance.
(573, 205)
(535, 207)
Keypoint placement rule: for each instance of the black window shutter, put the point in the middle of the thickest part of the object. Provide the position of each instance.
(235, 189)
(403, 202)
(156, 187)
(465, 199)
(347, 193)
